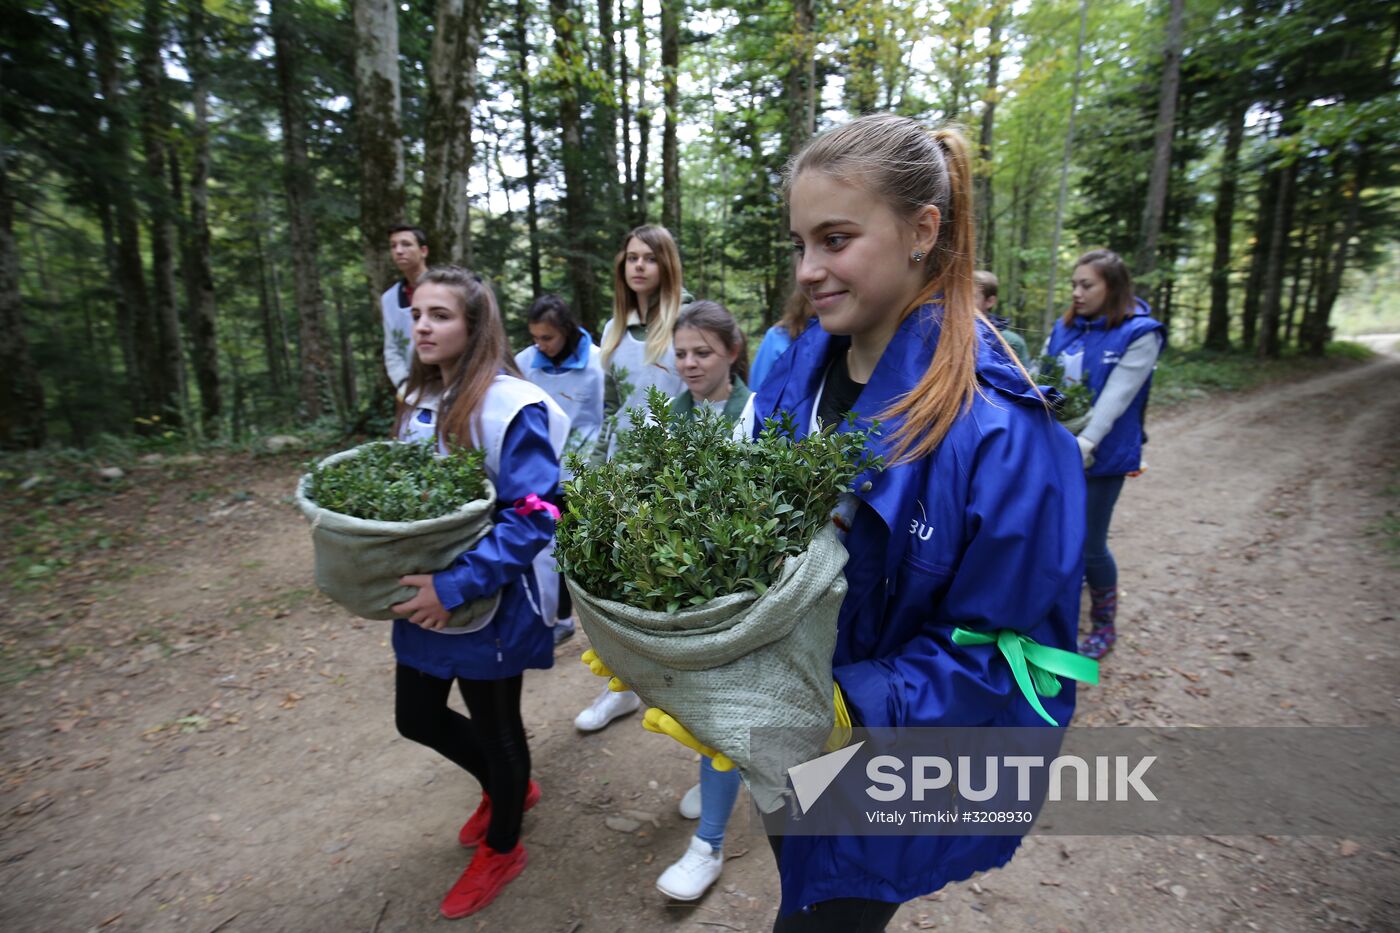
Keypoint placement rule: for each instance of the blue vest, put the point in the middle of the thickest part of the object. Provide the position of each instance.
(1089, 351)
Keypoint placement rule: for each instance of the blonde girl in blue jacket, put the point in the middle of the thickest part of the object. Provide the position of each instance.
(464, 391)
(977, 521)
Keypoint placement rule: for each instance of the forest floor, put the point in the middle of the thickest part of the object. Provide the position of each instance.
(195, 740)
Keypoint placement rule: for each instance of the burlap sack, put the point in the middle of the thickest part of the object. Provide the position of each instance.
(737, 662)
(359, 562)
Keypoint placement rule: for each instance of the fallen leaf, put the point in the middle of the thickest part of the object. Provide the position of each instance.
(1347, 848)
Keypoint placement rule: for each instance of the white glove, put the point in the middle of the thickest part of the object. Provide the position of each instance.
(1086, 450)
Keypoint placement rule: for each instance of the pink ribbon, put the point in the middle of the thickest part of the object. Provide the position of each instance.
(533, 503)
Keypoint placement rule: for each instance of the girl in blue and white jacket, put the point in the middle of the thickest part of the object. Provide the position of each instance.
(1109, 341)
(465, 391)
(566, 363)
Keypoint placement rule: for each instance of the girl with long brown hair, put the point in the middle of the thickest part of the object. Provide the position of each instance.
(464, 391)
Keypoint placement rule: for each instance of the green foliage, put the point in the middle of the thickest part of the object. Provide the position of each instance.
(394, 482)
(685, 513)
(1075, 399)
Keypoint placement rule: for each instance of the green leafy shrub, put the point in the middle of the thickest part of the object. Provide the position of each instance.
(684, 513)
(396, 482)
(1075, 397)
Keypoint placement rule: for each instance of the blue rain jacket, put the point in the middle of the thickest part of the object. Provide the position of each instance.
(984, 533)
(516, 638)
(1089, 350)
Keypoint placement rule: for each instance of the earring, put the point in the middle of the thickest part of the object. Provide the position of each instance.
(917, 255)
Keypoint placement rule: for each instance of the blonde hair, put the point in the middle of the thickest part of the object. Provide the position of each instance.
(911, 168)
(487, 353)
(667, 299)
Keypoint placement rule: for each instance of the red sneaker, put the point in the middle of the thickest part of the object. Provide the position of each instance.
(488, 873)
(473, 831)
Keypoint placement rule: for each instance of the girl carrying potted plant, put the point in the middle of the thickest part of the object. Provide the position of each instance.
(464, 391)
(976, 522)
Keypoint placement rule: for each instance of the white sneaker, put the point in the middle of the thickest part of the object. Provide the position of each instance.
(606, 708)
(694, 873)
(690, 803)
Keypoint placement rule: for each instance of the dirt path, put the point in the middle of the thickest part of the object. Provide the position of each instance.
(199, 742)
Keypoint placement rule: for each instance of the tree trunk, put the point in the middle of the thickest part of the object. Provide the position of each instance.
(643, 120)
(169, 377)
(800, 83)
(985, 241)
(22, 422)
(1161, 145)
(629, 191)
(380, 136)
(527, 119)
(317, 382)
(1259, 258)
(1299, 251)
(199, 271)
(273, 344)
(1281, 225)
(670, 155)
(136, 330)
(347, 355)
(1218, 327)
(1049, 319)
(1317, 329)
(448, 157)
(605, 114)
(575, 178)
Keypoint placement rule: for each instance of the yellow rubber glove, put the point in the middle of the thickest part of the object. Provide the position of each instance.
(662, 723)
(841, 730)
(596, 665)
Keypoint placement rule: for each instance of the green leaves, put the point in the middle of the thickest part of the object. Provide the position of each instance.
(1075, 398)
(684, 514)
(394, 482)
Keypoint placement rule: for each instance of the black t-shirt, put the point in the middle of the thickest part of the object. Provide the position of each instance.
(839, 393)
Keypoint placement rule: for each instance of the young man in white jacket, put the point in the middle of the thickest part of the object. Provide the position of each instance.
(408, 248)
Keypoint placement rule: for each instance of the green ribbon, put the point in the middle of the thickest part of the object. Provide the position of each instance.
(1037, 668)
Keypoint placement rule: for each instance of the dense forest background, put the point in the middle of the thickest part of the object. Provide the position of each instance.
(195, 194)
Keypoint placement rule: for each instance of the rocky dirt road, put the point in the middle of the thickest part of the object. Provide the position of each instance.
(193, 740)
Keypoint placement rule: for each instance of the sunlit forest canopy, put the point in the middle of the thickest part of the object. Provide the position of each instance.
(197, 193)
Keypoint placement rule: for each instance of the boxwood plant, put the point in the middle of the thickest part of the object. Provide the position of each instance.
(1074, 399)
(684, 513)
(398, 482)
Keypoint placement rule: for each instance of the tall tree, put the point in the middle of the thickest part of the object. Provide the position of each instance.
(198, 262)
(169, 376)
(629, 191)
(527, 132)
(670, 89)
(22, 421)
(136, 331)
(1218, 326)
(643, 209)
(800, 82)
(1048, 320)
(317, 382)
(569, 65)
(1162, 144)
(986, 238)
(380, 135)
(448, 153)
(1270, 304)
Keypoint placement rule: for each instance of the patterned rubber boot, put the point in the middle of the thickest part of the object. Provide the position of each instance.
(1103, 608)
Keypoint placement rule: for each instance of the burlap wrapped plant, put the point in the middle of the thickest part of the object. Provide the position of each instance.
(707, 574)
(384, 510)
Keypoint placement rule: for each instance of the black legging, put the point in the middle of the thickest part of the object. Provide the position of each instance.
(490, 745)
(839, 915)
